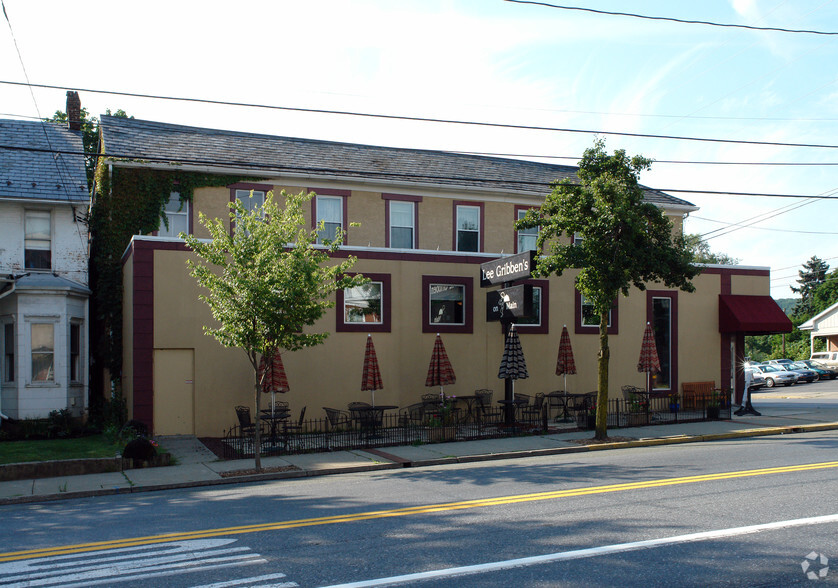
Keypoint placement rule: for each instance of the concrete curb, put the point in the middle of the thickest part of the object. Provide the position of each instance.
(396, 462)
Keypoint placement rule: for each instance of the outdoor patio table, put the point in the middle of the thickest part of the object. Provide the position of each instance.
(279, 415)
(370, 418)
(469, 401)
(559, 399)
(516, 404)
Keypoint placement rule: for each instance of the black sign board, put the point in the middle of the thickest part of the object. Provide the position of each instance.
(507, 269)
(509, 303)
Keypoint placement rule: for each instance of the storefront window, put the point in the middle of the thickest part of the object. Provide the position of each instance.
(662, 326)
(590, 318)
(447, 304)
(362, 304)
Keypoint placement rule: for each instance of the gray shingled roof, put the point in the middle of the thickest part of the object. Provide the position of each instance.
(52, 174)
(138, 139)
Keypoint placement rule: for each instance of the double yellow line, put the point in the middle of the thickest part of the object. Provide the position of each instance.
(400, 512)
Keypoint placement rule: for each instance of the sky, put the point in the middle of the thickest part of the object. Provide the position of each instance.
(485, 61)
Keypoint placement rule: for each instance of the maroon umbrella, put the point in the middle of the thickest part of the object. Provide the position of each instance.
(275, 380)
(564, 363)
(371, 376)
(440, 372)
(649, 361)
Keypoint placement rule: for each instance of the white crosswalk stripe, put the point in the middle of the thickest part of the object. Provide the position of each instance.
(127, 564)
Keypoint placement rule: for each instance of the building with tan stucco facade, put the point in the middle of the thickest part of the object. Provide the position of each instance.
(427, 221)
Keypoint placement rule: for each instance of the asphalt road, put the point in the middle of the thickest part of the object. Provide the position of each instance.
(679, 515)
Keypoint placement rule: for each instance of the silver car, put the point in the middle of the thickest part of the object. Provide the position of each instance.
(775, 376)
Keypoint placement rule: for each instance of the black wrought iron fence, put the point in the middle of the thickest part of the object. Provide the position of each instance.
(317, 435)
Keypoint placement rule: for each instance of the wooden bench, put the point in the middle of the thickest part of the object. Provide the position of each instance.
(692, 391)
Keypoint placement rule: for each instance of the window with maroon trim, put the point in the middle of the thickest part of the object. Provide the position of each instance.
(447, 304)
(250, 195)
(176, 214)
(662, 314)
(401, 213)
(329, 206)
(365, 308)
(587, 321)
(468, 226)
(540, 322)
(525, 239)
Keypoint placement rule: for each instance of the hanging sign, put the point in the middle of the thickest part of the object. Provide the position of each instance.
(507, 269)
(509, 303)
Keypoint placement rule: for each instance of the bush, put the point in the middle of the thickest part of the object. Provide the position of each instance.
(139, 449)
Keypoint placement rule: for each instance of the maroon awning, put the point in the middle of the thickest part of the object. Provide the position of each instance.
(751, 315)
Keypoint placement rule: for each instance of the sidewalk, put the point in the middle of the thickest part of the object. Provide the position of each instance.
(198, 466)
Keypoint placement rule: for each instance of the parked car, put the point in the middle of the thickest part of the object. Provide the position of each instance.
(779, 361)
(829, 358)
(757, 379)
(824, 371)
(775, 376)
(804, 374)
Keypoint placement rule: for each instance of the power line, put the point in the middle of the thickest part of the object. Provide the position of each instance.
(672, 161)
(434, 120)
(765, 228)
(286, 168)
(678, 20)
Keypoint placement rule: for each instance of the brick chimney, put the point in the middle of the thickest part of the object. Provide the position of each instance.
(73, 110)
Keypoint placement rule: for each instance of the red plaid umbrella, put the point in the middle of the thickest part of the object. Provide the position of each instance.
(275, 380)
(564, 363)
(371, 377)
(440, 372)
(649, 361)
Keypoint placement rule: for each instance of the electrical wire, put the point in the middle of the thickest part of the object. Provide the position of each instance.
(437, 120)
(672, 19)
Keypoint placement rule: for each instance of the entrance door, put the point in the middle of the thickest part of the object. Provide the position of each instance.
(174, 391)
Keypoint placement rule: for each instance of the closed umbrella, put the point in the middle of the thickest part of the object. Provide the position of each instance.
(275, 380)
(649, 361)
(513, 365)
(371, 376)
(564, 363)
(440, 372)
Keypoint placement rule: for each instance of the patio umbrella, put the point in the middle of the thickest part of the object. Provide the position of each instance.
(440, 372)
(371, 376)
(513, 365)
(649, 361)
(564, 363)
(275, 380)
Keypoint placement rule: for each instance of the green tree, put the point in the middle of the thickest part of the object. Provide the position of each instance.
(89, 136)
(267, 282)
(812, 275)
(700, 250)
(625, 241)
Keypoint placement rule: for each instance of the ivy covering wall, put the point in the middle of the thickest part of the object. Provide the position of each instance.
(127, 201)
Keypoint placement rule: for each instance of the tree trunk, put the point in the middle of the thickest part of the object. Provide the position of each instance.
(257, 437)
(602, 380)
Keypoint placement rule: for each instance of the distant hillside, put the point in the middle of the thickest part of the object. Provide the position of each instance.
(787, 304)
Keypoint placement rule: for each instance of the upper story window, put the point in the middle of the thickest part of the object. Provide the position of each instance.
(177, 217)
(526, 238)
(251, 199)
(37, 240)
(330, 212)
(468, 227)
(43, 352)
(577, 238)
(402, 223)
(8, 352)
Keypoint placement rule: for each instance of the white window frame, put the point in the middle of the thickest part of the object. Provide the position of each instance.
(537, 292)
(326, 234)
(180, 212)
(524, 235)
(461, 208)
(51, 380)
(582, 305)
(36, 244)
(250, 199)
(355, 293)
(406, 206)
